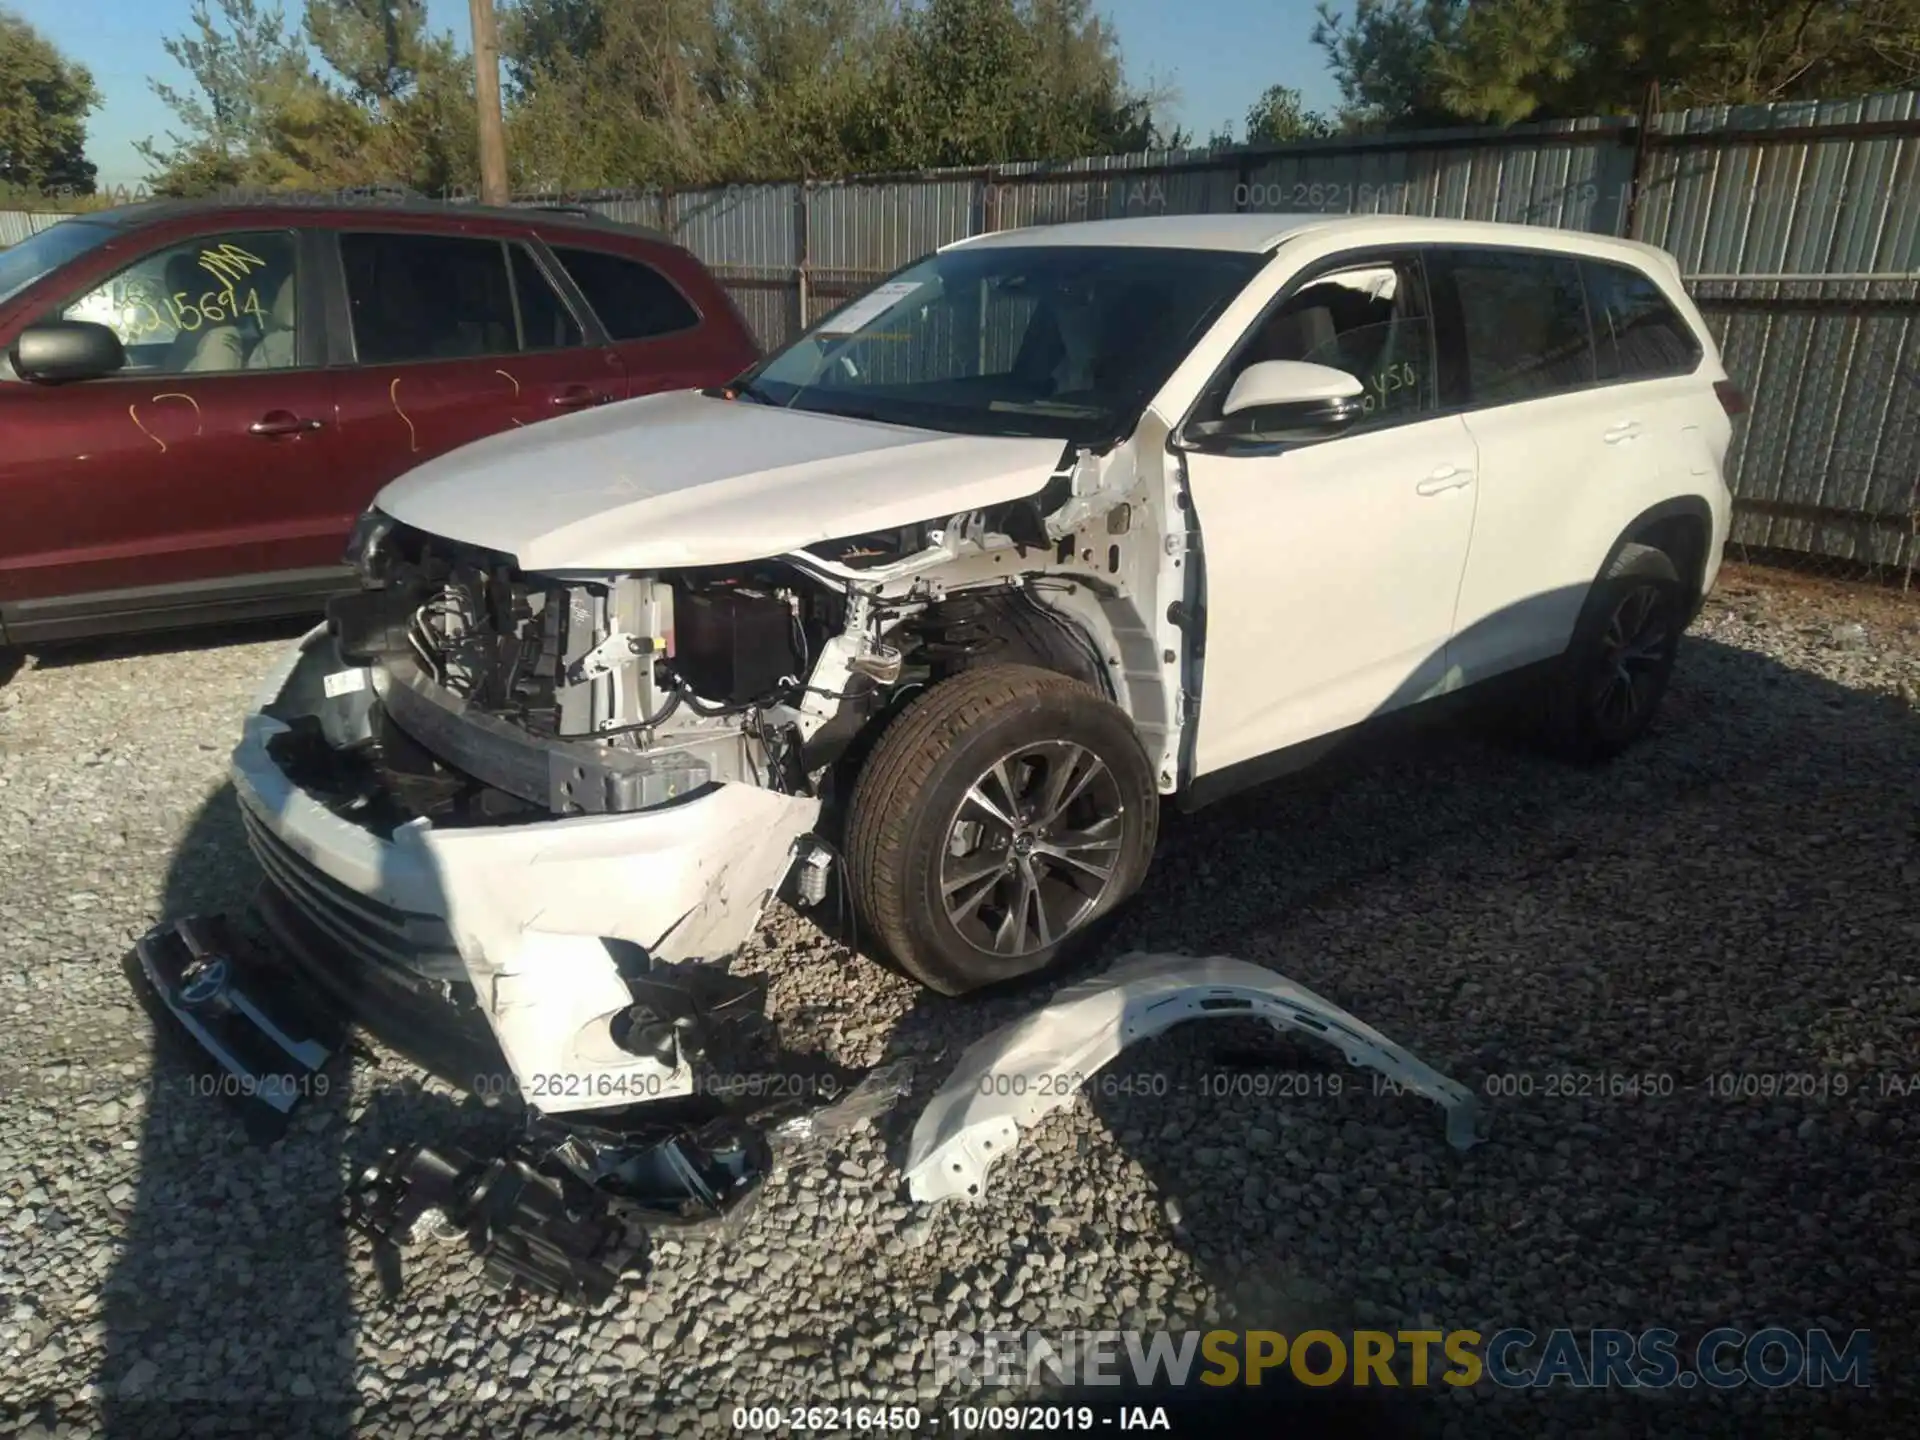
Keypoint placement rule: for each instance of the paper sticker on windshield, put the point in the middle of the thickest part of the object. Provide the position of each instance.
(868, 308)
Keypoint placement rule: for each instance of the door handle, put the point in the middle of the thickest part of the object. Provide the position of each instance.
(282, 422)
(1447, 477)
(574, 396)
(1625, 430)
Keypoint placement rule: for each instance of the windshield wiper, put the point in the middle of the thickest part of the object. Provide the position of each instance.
(740, 390)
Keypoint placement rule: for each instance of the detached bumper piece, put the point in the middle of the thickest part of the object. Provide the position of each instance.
(563, 1219)
(268, 1057)
(531, 1229)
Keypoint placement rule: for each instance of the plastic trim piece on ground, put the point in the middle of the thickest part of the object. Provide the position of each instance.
(1007, 1081)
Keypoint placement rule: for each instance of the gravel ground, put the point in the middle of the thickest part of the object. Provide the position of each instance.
(1740, 895)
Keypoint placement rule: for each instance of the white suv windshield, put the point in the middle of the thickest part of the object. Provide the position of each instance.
(1063, 341)
(42, 254)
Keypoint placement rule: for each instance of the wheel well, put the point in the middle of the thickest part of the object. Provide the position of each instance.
(1004, 627)
(1684, 536)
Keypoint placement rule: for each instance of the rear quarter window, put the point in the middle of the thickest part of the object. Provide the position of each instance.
(633, 300)
(1637, 333)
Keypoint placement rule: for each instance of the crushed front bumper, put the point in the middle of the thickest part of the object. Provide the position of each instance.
(530, 931)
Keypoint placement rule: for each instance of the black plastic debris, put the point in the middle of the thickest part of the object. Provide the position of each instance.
(532, 1228)
(262, 1053)
(564, 1210)
(693, 1012)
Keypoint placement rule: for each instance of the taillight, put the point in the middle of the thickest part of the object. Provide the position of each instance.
(1731, 400)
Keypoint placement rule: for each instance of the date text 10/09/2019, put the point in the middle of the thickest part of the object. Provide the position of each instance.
(955, 1419)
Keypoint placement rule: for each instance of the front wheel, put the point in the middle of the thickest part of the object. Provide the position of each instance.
(998, 818)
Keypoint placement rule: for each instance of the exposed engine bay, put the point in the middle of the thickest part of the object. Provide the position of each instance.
(509, 797)
(489, 695)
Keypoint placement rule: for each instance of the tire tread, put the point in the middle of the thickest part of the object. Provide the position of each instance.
(897, 773)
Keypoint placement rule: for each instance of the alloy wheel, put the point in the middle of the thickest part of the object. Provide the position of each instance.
(1032, 848)
(1635, 646)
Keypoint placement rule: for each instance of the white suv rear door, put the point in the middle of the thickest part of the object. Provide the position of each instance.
(1568, 455)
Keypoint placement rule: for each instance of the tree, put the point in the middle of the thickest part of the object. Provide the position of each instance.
(394, 105)
(690, 92)
(1433, 62)
(44, 103)
(1280, 116)
(414, 90)
(251, 81)
(977, 81)
(1383, 60)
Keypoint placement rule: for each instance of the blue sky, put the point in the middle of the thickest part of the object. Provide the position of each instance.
(1218, 55)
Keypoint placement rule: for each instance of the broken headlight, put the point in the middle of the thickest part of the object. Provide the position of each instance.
(366, 544)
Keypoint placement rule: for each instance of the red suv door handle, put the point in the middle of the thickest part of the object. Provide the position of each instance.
(281, 422)
(575, 396)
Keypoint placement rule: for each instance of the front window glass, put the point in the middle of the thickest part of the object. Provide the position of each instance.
(1370, 321)
(42, 254)
(1061, 341)
(214, 303)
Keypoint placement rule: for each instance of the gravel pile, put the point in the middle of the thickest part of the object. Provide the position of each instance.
(1740, 895)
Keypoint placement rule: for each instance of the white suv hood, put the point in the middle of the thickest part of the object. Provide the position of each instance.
(682, 479)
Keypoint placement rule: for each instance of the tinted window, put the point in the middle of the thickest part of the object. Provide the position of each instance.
(427, 297)
(545, 321)
(634, 301)
(1636, 332)
(214, 303)
(1522, 324)
(1371, 321)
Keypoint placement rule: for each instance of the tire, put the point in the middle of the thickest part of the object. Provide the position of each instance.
(982, 744)
(1609, 684)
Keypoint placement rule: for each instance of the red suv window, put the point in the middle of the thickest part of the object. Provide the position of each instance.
(633, 300)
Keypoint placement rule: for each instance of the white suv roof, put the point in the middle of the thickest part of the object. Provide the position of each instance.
(1259, 233)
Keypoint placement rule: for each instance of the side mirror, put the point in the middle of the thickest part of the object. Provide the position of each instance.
(1295, 398)
(59, 350)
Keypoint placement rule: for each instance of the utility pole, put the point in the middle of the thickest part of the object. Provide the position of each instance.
(486, 91)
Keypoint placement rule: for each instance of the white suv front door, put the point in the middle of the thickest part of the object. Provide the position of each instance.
(1331, 569)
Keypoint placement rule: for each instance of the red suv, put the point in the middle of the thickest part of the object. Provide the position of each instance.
(198, 398)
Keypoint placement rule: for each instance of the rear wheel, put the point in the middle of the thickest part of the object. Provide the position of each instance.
(996, 821)
(1614, 674)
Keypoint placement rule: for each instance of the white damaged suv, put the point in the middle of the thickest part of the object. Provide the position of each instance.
(950, 594)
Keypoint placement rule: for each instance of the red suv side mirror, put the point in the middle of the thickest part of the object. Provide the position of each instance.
(57, 350)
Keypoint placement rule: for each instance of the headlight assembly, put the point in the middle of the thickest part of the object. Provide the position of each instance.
(365, 547)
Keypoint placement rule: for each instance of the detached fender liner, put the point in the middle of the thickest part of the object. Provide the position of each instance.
(567, 777)
(997, 1089)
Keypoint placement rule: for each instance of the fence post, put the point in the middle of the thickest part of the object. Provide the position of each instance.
(990, 202)
(803, 254)
(1642, 161)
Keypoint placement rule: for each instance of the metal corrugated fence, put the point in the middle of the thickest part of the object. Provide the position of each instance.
(1797, 225)
(17, 225)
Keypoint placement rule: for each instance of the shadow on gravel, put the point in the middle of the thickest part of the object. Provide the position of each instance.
(1731, 896)
(1739, 894)
(228, 1309)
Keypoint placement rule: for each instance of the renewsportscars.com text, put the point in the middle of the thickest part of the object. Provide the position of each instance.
(1514, 1358)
